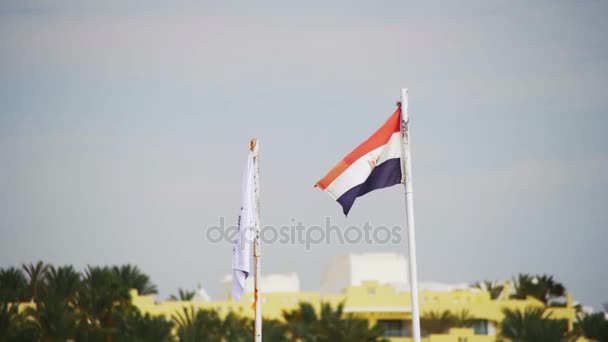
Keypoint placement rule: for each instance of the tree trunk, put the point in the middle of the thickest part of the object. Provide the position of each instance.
(109, 326)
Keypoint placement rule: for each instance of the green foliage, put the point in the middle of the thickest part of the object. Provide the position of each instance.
(300, 322)
(101, 292)
(439, 322)
(62, 282)
(207, 325)
(15, 326)
(132, 326)
(330, 325)
(54, 319)
(198, 325)
(464, 319)
(131, 277)
(541, 287)
(436, 322)
(10, 320)
(96, 306)
(13, 285)
(493, 288)
(237, 328)
(592, 326)
(35, 273)
(275, 331)
(532, 325)
(183, 295)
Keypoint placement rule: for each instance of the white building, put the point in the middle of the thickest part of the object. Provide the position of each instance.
(346, 271)
(352, 269)
(201, 295)
(270, 283)
(385, 268)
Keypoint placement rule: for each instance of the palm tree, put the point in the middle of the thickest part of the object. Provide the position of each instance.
(532, 325)
(148, 328)
(132, 277)
(54, 318)
(300, 322)
(62, 282)
(15, 326)
(464, 319)
(100, 294)
(133, 326)
(236, 328)
(13, 285)
(9, 320)
(354, 329)
(183, 295)
(187, 329)
(592, 326)
(35, 273)
(201, 325)
(493, 288)
(275, 330)
(331, 324)
(542, 287)
(435, 322)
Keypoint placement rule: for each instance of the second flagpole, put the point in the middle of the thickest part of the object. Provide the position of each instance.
(254, 145)
(409, 208)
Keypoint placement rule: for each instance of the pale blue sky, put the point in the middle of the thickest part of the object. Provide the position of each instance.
(124, 128)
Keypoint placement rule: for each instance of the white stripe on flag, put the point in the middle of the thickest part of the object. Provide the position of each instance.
(358, 171)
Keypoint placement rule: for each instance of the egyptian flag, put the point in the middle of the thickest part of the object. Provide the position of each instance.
(375, 164)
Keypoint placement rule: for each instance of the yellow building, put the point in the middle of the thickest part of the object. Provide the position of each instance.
(380, 304)
(383, 301)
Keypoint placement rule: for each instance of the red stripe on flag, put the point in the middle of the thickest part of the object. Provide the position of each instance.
(377, 139)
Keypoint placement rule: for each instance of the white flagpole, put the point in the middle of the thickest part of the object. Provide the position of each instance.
(409, 208)
(256, 243)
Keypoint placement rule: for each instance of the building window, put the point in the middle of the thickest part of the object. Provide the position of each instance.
(480, 327)
(371, 291)
(394, 327)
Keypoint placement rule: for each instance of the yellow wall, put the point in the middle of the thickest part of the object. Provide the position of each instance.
(373, 302)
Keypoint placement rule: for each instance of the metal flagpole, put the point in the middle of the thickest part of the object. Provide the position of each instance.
(256, 243)
(409, 211)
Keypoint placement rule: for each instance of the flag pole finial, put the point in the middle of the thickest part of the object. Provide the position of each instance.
(252, 144)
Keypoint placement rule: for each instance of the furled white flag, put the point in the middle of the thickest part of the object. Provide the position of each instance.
(241, 250)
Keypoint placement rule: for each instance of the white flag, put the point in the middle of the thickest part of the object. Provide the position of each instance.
(241, 251)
